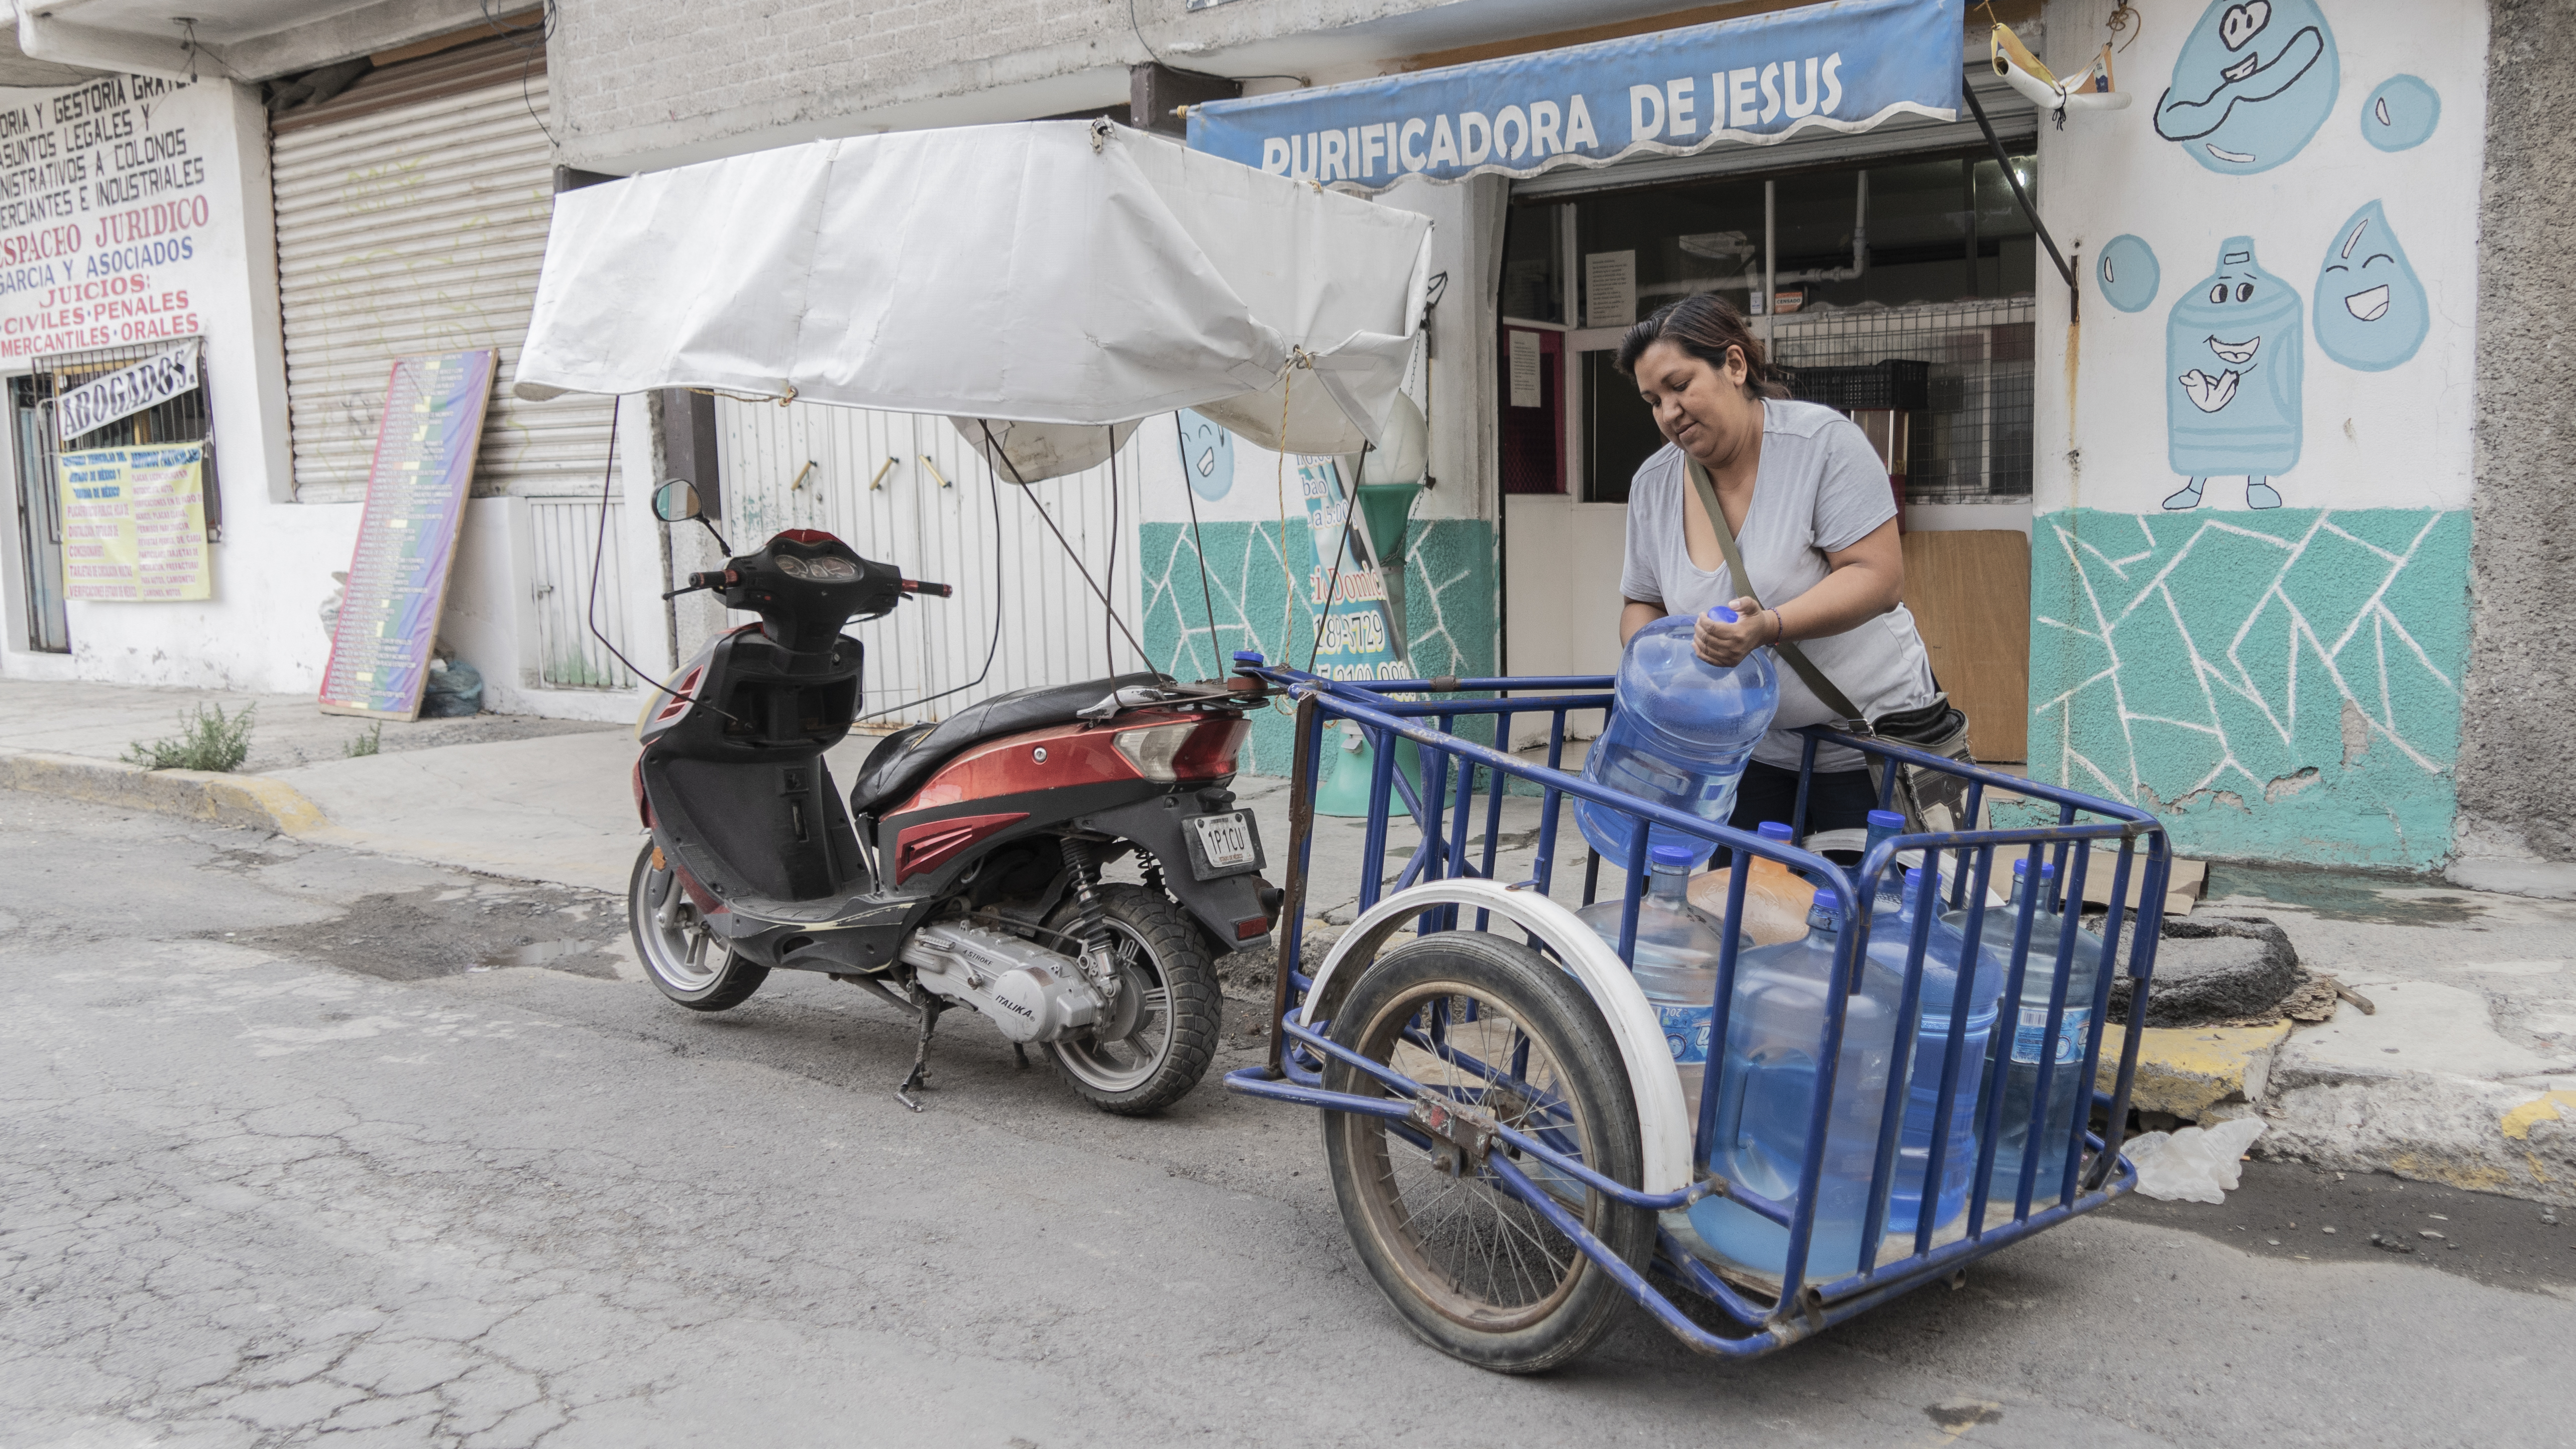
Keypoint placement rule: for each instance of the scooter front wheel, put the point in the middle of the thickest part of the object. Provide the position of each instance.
(678, 951)
(1163, 1029)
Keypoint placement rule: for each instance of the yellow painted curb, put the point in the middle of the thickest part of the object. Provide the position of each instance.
(246, 801)
(2188, 1070)
(2547, 1107)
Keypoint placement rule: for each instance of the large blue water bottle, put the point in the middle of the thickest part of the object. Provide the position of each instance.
(2030, 1033)
(1680, 736)
(1775, 1034)
(1891, 937)
(1675, 961)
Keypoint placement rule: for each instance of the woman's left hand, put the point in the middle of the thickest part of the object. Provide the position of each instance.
(1726, 645)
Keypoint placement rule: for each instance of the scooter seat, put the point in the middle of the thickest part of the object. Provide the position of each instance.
(902, 761)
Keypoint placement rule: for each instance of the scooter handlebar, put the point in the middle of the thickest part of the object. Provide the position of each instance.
(924, 586)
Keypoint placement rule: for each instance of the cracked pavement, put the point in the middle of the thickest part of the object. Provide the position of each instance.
(252, 1193)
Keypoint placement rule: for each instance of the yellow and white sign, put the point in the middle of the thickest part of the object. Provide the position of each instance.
(134, 523)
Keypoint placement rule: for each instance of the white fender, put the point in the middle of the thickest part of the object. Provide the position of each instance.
(1663, 1122)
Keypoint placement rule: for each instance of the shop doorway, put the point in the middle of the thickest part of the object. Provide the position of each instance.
(1898, 290)
(40, 515)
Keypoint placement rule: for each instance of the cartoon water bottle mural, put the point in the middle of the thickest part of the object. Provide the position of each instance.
(2234, 351)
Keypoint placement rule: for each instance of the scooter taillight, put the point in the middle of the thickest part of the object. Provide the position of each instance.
(1200, 749)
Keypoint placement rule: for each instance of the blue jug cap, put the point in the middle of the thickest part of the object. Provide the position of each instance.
(1725, 615)
(1827, 899)
(1247, 656)
(2022, 868)
(2048, 871)
(1886, 820)
(1775, 830)
(1681, 855)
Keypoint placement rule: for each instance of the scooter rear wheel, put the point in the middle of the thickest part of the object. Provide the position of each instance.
(678, 951)
(1170, 1022)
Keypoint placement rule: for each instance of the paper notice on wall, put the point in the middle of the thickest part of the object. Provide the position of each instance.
(134, 523)
(1609, 289)
(1525, 364)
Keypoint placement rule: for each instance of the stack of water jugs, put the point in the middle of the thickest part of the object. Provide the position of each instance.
(1680, 737)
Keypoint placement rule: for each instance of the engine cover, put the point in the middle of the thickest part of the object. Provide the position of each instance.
(1030, 992)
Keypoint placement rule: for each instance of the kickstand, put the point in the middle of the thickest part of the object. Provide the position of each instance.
(1022, 1053)
(913, 1081)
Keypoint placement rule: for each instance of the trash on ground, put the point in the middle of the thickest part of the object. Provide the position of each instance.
(2193, 1165)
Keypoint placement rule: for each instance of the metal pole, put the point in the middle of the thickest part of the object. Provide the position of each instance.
(1770, 257)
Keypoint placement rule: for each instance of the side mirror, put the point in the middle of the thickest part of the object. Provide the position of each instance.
(676, 501)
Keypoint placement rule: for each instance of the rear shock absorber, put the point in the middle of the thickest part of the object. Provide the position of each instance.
(1094, 925)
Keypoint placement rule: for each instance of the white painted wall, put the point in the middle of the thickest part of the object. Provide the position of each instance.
(262, 629)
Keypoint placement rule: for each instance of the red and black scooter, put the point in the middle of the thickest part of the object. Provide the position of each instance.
(965, 870)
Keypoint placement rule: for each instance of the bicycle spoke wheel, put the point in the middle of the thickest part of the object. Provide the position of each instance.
(1492, 1027)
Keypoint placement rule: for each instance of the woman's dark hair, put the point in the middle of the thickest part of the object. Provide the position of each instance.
(1705, 326)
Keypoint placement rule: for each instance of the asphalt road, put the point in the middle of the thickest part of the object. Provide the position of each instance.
(280, 1164)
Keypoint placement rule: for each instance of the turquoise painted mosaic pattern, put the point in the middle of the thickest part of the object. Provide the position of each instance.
(2280, 685)
(1449, 604)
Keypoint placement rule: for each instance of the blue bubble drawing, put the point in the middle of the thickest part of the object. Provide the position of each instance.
(2254, 81)
(2128, 273)
(2372, 311)
(1207, 456)
(2401, 113)
(2235, 345)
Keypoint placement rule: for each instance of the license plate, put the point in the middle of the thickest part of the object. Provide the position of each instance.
(1226, 842)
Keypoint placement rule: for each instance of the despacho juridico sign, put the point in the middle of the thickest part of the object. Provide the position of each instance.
(125, 392)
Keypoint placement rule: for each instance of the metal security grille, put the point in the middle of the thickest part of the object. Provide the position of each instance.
(411, 219)
(186, 418)
(565, 533)
(1958, 374)
(912, 491)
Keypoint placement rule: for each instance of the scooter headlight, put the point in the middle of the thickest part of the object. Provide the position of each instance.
(1200, 749)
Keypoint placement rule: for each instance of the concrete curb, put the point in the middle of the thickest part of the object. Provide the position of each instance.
(243, 801)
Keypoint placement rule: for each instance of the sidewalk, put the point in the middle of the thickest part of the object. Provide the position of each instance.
(2466, 1073)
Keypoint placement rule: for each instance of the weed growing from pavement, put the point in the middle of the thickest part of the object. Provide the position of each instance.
(370, 743)
(208, 739)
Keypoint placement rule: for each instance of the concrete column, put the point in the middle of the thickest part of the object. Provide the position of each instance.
(2517, 762)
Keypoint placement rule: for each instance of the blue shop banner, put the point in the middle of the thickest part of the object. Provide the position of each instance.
(1757, 80)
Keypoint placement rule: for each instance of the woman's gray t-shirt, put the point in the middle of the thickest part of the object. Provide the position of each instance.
(1820, 487)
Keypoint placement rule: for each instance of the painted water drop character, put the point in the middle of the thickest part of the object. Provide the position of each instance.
(1207, 455)
(2234, 351)
(2252, 84)
(2372, 312)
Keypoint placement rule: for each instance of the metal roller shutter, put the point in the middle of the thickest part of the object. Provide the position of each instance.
(411, 218)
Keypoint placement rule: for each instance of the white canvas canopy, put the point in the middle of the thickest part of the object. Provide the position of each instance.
(1048, 273)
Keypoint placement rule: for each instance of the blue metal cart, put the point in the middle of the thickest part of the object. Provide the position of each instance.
(1504, 1124)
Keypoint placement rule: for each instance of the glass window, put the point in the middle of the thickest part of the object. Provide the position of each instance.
(1532, 288)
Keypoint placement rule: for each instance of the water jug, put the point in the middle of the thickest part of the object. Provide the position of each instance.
(1775, 1034)
(1675, 961)
(1891, 935)
(2030, 1033)
(1679, 737)
(1776, 901)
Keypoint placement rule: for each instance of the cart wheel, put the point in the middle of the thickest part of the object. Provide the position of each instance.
(1475, 1271)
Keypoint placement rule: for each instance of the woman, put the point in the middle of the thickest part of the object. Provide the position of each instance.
(1806, 498)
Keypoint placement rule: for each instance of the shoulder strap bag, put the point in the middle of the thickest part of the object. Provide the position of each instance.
(1931, 799)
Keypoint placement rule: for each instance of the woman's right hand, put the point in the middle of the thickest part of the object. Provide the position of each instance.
(1727, 645)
